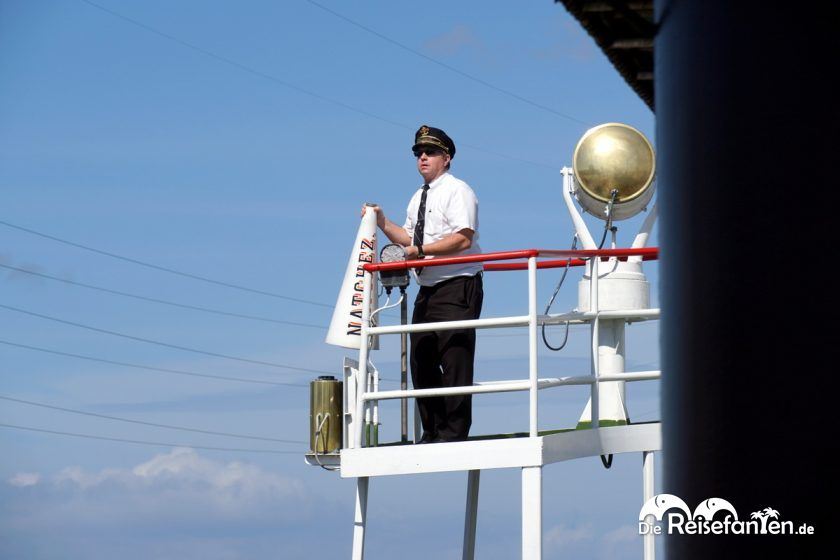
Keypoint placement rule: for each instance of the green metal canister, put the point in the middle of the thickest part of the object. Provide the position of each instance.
(325, 414)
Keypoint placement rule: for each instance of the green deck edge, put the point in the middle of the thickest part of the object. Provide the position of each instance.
(602, 424)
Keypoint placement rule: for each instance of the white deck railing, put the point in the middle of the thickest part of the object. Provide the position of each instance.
(368, 395)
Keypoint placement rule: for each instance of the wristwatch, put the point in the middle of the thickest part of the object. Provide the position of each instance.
(420, 253)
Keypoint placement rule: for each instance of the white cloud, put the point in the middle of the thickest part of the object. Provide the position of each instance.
(574, 44)
(620, 543)
(80, 478)
(627, 533)
(178, 504)
(178, 484)
(25, 479)
(560, 535)
(615, 544)
(453, 41)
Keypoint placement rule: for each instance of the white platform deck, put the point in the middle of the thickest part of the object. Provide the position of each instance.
(496, 453)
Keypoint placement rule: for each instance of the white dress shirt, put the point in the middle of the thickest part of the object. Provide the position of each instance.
(451, 205)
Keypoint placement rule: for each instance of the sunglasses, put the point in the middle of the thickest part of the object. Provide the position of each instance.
(431, 152)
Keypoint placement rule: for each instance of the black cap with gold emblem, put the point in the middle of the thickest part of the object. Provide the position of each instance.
(430, 136)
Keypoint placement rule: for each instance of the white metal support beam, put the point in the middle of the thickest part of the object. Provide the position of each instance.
(533, 397)
(532, 513)
(360, 522)
(361, 380)
(594, 396)
(648, 490)
(471, 517)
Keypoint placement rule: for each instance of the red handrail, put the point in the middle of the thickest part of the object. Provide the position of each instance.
(647, 253)
(497, 267)
(628, 252)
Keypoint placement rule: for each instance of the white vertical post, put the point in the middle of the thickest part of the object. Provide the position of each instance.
(648, 490)
(404, 366)
(532, 346)
(611, 359)
(348, 406)
(471, 517)
(366, 437)
(593, 308)
(532, 513)
(360, 521)
(375, 381)
(362, 381)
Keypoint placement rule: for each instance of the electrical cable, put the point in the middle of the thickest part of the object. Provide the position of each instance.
(315, 451)
(161, 301)
(444, 65)
(156, 425)
(608, 459)
(387, 306)
(142, 442)
(551, 301)
(573, 328)
(151, 368)
(164, 344)
(608, 224)
(162, 268)
(166, 370)
(291, 85)
(240, 66)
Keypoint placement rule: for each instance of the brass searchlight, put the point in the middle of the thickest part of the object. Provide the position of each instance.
(614, 156)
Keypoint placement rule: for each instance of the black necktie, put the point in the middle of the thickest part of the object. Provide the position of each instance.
(421, 218)
(421, 221)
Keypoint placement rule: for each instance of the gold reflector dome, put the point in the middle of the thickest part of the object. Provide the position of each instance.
(613, 156)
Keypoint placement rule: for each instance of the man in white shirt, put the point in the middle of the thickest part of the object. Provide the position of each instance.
(441, 220)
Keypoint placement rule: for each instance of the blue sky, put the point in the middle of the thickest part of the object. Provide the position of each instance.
(236, 142)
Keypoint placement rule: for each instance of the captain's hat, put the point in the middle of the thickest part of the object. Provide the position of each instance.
(430, 136)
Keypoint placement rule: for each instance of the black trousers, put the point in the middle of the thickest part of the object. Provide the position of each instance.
(445, 358)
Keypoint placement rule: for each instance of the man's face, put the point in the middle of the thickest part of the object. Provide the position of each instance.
(431, 162)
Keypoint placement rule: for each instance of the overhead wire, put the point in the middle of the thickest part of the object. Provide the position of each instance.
(143, 442)
(164, 370)
(444, 65)
(151, 368)
(210, 280)
(162, 268)
(155, 300)
(160, 343)
(144, 423)
(188, 274)
(290, 85)
(241, 66)
(161, 301)
(197, 277)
